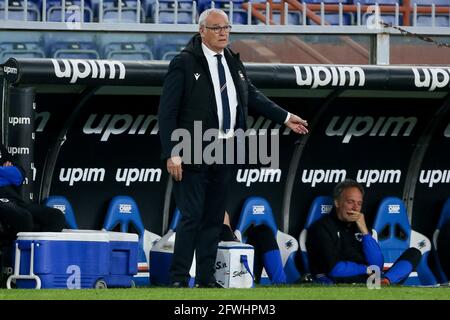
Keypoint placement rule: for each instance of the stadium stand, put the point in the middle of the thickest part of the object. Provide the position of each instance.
(72, 12)
(256, 211)
(123, 212)
(16, 10)
(166, 12)
(166, 47)
(394, 234)
(320, 206)
(20, 50)
(63, 204)
(443, 219)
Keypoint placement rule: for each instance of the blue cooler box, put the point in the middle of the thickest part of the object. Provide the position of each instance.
(124, 248)
(74, 260)
(123, 259)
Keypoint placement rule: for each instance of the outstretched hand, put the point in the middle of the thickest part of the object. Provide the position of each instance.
(297, 124)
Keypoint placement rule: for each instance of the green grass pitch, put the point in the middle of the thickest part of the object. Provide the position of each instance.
(294, 292)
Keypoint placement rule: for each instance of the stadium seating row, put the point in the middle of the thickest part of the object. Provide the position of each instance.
(165, 11)
(163, 48)
(392, 231)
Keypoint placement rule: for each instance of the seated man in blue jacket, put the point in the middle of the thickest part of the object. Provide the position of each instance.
(341, 248)
(17, 215)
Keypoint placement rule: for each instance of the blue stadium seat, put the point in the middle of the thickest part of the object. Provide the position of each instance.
(393, 232)
(257, 211)
(72, 11)
(166, 12)
(380, 2)
(426, 21)
(20, 50)
(430, 2)
(127, 51)
(63, 204)
(239, 14)
(320, 206)
(170, 45)
(124, 212)
(443, 219)
(333, 19)
(16, 10)
(74, 50)
(330, 1)
(128, 13)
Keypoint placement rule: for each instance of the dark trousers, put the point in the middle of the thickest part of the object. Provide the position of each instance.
(200, 196)
(26, 217)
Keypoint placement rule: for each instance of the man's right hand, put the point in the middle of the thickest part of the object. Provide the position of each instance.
(358, 217)
(174, 168)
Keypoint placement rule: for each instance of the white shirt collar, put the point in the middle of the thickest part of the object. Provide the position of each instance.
(208, 52)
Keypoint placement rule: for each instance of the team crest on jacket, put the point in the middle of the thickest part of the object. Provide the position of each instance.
(196, 75)
(241, 75)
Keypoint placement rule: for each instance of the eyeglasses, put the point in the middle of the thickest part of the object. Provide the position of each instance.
(218, 29)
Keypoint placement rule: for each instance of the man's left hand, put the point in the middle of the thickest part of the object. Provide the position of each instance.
(297, 124)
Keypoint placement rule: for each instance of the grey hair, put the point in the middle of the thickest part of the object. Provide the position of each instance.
(206, 13)
(347, 183)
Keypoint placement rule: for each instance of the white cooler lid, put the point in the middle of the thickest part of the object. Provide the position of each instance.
(64, 236)
(112, 235)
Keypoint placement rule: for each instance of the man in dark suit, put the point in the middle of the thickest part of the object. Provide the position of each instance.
(206, 83)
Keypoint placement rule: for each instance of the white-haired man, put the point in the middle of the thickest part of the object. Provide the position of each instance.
(206, 83)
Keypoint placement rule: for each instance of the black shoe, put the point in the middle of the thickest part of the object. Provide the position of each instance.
(208, 285)
(180, 284)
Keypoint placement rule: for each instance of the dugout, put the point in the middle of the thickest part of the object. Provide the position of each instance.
(95, 136)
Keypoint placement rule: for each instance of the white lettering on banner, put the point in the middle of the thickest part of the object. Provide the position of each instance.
(119, 124)
(18, 150)
(359, 126)
(19, 120)
(447, 131)
(9, 70)
(129, 175)
(73, 175)
(41, 120)
(334, 76)
(432, 177)
(125, 208)
(378, 176)
(323, 176)
(250, 176)
(258, 209)
(393, 208)
(432, 78)
(80, 69)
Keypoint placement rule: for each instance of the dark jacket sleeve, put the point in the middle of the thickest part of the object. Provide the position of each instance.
(259, 103)
(170, 104)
